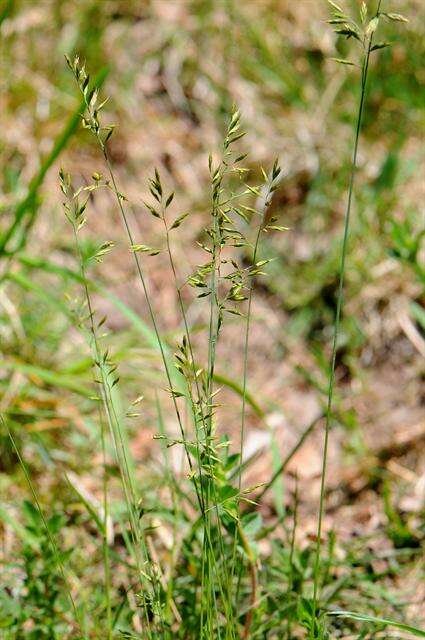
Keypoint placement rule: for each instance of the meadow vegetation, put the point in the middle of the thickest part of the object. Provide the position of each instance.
(212, 320)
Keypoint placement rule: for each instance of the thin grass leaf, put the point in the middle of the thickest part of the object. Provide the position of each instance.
(73, 483)
(237, 388)
(362, 617)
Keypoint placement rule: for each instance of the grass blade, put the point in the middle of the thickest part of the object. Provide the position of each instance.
(390, 623)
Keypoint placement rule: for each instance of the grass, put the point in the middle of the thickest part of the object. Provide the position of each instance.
(367, 40)
(186, 545)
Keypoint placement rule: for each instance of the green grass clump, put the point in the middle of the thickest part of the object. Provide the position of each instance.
(186, 552)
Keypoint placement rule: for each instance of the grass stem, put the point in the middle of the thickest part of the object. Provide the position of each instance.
(337, 323)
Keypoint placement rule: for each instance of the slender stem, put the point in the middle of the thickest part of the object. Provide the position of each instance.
(291, 553)
(106, 555)
(337, 323)
(189, 342)
(247, 331)
(193, 363)
(245, 362)
(105, 544)
(113, 420)
(213, 335)
(150, 308)
(206, 557)
(213, 324)
(205, 515)
(238, 528)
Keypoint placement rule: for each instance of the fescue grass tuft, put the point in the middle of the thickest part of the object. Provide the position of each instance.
(190, 545)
